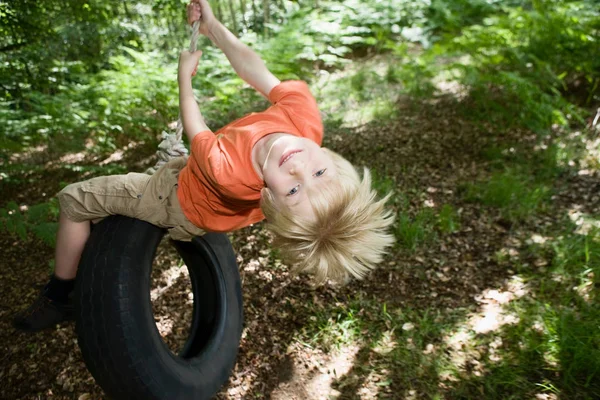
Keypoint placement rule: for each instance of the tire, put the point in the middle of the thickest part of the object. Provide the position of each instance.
(118, 337)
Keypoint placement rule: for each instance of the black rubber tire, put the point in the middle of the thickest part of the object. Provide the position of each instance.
(115, 327)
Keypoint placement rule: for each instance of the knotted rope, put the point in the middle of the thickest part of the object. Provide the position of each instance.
(172, 144)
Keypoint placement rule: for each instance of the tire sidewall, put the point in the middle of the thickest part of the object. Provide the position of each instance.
(115, 326)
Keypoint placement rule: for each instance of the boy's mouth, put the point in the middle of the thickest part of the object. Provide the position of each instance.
(287, 155)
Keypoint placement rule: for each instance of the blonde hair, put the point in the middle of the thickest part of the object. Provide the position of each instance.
(348, 235)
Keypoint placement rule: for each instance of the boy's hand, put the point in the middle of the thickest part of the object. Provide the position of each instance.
(200, 10)
(188, 64)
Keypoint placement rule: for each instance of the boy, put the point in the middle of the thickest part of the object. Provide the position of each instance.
(269, 164)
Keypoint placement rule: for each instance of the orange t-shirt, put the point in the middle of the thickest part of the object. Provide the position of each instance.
(219, 190)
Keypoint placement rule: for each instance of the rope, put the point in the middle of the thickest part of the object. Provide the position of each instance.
(172, 144)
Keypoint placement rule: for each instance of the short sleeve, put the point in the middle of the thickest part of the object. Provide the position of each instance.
(202, 142)
(202, 145)
(300, 105)
(290, 92)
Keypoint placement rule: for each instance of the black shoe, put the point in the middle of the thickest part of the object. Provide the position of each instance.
(43, 314)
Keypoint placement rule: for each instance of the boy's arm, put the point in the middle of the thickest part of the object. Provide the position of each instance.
(246, 63)
(191, 118)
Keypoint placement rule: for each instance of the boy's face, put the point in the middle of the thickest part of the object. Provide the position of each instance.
(295, 167)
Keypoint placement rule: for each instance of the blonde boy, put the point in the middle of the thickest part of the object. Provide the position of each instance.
(325, 218)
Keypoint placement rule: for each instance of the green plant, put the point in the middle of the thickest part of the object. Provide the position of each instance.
(522, 60)
(38, 219)
(448, 219)
(382, 183)
(517, 195)
(412, 232)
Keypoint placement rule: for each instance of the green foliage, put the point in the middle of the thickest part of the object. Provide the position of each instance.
(382, 183)
(576, 337)
(332, 328)
(449, 17)
(575, 333)
(116, 82)
(38, 219)
(394, 342)
(545, 163)
(415, 74)
(577, 257)
(516, 194)
(413, 232)
(521, 61)
(357, 96)
(135, 99)
(448, 219)
(558, 330)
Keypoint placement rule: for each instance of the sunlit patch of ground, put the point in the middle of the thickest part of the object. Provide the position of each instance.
(493, 302)
(313, 373)
(171, 296)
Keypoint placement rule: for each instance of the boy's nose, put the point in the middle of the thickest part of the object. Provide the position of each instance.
(297, 170)
(297, 166)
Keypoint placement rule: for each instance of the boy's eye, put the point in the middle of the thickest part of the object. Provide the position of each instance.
(321, 172)
(293, 191)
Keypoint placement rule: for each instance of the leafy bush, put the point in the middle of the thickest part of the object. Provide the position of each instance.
(450, 16)
(522, 60)
(38, 219)
(135, 99)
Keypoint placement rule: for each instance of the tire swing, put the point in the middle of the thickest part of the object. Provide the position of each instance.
(115, 327)
(119, 340)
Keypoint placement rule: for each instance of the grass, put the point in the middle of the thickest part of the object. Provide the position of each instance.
(548, 340)
(550, 346)
(448, 219)
(555, 346)
(416, 231)
(517, 195)
(424, 226)
(522, 176)
(382, 183)
(396, 344)
(356, 96)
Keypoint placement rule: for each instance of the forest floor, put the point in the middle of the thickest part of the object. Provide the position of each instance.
(428, 152)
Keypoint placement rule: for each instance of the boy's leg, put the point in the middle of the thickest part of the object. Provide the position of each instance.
(70, 241)
(80, 203)
(53, 305)
(134, 195)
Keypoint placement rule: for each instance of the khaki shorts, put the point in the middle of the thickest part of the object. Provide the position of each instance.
(151, 198)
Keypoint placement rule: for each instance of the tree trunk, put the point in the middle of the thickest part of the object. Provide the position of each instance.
(219, 11)
(266, 17)
(232, 9)
(243, 7)
(254, 14)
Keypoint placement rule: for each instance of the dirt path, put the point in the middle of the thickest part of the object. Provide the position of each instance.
(429, 151)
